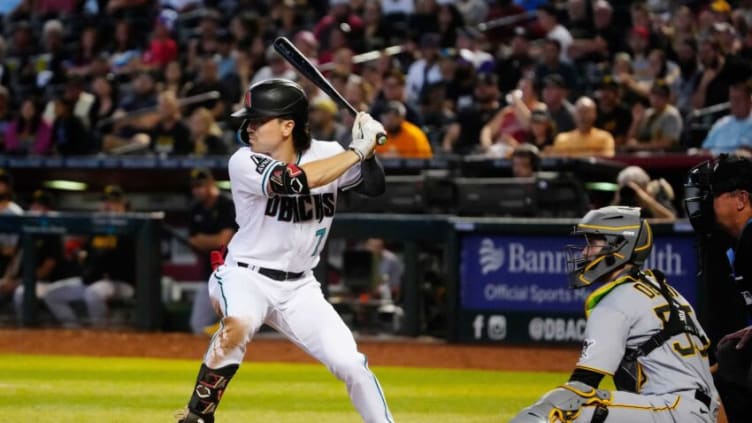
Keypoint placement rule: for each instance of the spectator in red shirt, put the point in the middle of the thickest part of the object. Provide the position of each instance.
(162, 48)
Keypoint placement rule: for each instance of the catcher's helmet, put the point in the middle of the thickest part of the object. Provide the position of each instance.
(629, 239)
(272, 98)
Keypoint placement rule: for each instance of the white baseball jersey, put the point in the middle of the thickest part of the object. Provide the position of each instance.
(628, 313)
(298, 224)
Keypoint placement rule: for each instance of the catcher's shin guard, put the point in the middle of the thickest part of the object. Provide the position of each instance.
(210, 385)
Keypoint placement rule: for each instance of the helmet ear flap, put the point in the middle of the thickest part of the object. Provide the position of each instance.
(241, 136)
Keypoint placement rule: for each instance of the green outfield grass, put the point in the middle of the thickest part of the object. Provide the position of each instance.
(63, 389)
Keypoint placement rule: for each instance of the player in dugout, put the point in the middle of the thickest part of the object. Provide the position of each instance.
(639, 330)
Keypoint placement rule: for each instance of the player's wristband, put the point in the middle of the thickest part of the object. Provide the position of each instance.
(361, 157)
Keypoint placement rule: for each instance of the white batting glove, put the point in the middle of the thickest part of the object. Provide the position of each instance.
(363, 147)
(366, 127)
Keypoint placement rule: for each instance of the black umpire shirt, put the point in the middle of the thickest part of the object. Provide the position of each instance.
(211, 221)
(742, 266)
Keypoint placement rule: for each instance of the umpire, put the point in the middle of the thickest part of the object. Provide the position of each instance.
(211, 227)
(727, 183)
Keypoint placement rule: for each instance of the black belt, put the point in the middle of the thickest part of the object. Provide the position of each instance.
(277, 275)
(703, 398)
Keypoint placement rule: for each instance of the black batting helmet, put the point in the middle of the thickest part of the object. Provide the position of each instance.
(273, 98)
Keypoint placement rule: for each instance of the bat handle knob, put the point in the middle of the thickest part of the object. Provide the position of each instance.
(381, 139)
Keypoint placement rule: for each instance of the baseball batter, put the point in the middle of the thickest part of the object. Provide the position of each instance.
(640, 330)
(284, 186)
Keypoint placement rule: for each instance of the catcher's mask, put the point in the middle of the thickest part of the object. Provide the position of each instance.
(614, 236)
(272, 98)
(710, 179)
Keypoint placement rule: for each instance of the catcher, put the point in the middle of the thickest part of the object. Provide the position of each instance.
(640, 331)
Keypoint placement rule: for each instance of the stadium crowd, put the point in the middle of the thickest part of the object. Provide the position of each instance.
(573, 78)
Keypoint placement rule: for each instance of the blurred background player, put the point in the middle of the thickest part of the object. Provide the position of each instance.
(52, 262)
(107, 271)
(211, 227)
(9, 257)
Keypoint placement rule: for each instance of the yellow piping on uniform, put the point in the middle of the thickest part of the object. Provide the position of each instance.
(609, 228)
(650, 408)
(649, 241)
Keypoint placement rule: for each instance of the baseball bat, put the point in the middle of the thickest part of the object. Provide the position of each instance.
(294, 57)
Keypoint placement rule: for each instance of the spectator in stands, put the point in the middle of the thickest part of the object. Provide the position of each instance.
(375, 28)
(636, 189)
(639, 44)
(716, 75)
(49, 64)
(9, 257)
(525, 161)
(6, 114)
(425, 70)
(28, 133)
(555, 92)
(174, 79)
(518, 63)
(52, 262)
(404, 140)
(276, 67)
(510, 125)
(87, 50)
(551, 64)
(623, 74)
(734, 131)
(323, 122)
(448, 21)
(226, 66)
(211, 227)
(393, 89)
(542, 129)
(207, 82)
(469, 42)
(661, 68)
(605, 40)
(613, 115)
(682, 27)
(84, 103)
(463, 135)
(206, 136)
(143, 93)
(105, 92)
(689, 74)
(307, 43)
(204, 41)
(548, 20)
(585, 139)
(658, 127)
(162, 131)
(162, 47)
(339, 12)
(107, 271)
(124, 53)
(69, 134)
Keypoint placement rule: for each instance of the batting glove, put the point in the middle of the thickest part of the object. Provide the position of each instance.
(364, 132)
(366, 127)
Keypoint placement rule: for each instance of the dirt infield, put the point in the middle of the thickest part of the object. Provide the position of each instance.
(388, 352)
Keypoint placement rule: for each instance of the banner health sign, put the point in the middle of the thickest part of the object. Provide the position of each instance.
(514, 288)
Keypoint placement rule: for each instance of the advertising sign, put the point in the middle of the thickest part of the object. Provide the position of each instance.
(528, 273)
